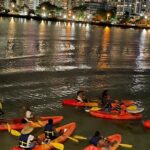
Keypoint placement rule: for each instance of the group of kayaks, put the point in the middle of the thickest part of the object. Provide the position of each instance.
(131, 113)
(69, 128)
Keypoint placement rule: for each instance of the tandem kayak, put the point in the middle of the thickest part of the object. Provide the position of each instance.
(67, 129)
(73, 102)
(146, 123)
(16, 124)
(113, 138)
(107, 115)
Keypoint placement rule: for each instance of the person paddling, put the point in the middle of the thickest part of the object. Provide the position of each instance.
(106, 101)
(99, 141)
(28, 115)
(81, 96)
(26, 139)
(50, 131)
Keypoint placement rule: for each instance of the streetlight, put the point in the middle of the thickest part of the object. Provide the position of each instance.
(146, 19)
(43, 8)
(108, 15)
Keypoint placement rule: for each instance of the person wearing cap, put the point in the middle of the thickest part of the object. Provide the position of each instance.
(27, 140)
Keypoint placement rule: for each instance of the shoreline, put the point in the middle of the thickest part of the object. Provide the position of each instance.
(125, 26)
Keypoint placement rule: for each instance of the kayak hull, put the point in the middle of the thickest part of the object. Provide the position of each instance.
(73, 102)
(112, 138)
(146, 124)
(68, 130)
(17, 125)
(106, 115)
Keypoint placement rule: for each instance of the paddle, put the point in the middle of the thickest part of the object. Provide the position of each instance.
(57, 145)
(95, 108)
(12, 131)
(73, 139)
(126, 145)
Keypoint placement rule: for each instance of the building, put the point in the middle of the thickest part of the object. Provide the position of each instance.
(1, 2)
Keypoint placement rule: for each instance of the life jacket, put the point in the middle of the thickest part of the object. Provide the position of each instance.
(49, 133)
(118, 107)
(94, 140)
(23, 140)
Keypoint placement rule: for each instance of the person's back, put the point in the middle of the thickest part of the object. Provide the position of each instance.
(49, 131)
(26, 139)
(95, 139)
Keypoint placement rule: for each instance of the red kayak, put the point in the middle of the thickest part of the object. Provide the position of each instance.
(109, 115)
(16, 124)
(67, 129)
(113, 138)
(73, 102)
(146, 123)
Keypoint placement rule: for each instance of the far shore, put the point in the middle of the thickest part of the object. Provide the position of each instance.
(83, 22)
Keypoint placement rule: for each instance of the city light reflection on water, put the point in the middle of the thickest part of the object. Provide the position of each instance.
(43, 62)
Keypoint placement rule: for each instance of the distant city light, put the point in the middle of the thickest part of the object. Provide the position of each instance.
(145, 17)
(65, 16)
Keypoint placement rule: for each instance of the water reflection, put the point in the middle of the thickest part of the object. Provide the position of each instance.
(141, 65)
(104, 56)
(11, 39)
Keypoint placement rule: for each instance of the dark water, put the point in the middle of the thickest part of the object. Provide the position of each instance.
(42, 63)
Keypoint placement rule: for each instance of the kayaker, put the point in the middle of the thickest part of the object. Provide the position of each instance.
(27, 140)
(81, 96)
(28, 115)
(1, 108)
(50, 131)
(99, 141)
(104, 97)
(119, 108)
(106, 101)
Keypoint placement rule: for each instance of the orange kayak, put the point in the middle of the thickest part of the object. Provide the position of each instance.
(109, 115)
(16, 124)
(113, 138)
(68, 130)
(146, 123)
(73, 102)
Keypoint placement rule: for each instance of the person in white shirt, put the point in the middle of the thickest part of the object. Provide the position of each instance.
(28, 116)
(81, 96)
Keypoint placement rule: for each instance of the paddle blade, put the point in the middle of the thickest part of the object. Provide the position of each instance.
(73, 139)
(126, 145)
(8, 126)
(80, 137)
(57, 145)
(95, 108)
(41, 123)
(15, 132)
